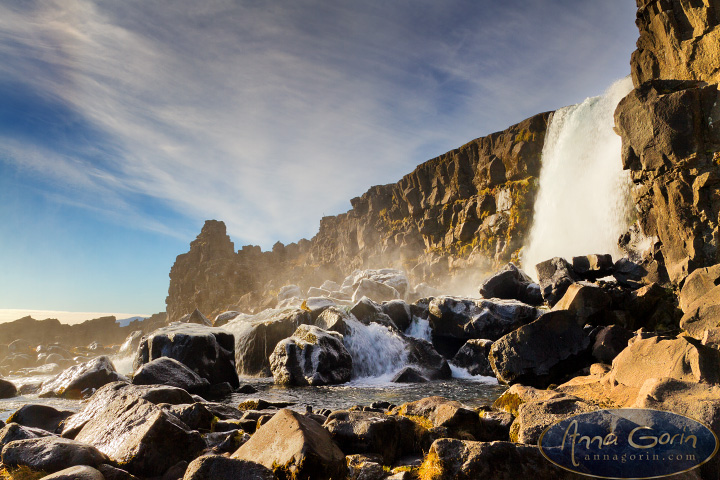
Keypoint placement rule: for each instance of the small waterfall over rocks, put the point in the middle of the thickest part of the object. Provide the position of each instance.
(583, 204)
(375, 350)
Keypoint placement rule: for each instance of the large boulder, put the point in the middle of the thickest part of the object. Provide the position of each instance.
(82, 380)
(555, 276)
(511, 283)
(218, 467)
(207, 351)
(534, 417)
(334, 319)
(422, 354)
(399, 312)
(377, 291)
(15, 431)
(682, 358)
(461, 459)
(372, 432)
(256, 337)
(702, 314)
(592, 267)
(51, 454)
(542, 352)
(465, 318)
(80, 472)
(7, 389)
(40, 416)
(473, 357)
(609, 342)
(294, 446)
(697, 284)
(168, 371)
(312, 356)
(395, 279)
(142, 437)
(587, 301)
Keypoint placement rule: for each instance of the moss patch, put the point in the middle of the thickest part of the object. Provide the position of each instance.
(431, 468)
(21, 473)
(508, 402)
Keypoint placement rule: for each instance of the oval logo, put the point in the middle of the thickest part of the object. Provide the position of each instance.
(628, 443)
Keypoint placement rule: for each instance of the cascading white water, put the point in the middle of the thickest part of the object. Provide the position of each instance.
(375, 350)
(583, 203)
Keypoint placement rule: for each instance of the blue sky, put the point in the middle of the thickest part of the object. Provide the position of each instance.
(124, 125)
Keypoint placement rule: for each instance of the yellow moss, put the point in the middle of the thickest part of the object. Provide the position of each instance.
(21, 473)
(514, 432)
(249, 405)
(525, 135)
(419, 420)
(431, 468)
(508, 402)
(304, 306)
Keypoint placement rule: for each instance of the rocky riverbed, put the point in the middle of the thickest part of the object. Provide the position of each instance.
(365, 380)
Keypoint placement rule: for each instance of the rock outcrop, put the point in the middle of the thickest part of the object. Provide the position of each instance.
(469, 207)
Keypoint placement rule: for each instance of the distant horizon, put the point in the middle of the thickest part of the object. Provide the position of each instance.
(8, 315)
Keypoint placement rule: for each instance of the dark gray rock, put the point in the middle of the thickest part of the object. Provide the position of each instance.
(226, 442)
(371, 432)
(15, 431)
(217, 467)
(592, 267)
(195, 416)
(44, 417)
(464, 318)
(409, 375)
(7, 389)
(367, 311)
(423, 355)
(207, 351)
(168, 371)
(334, 319)
(399, 313)
(473, 356)
(609, 342)
(82, 380)
(113, 473)
(51, 454)
(196, 317)
(511, 283)
(555, 276)
(542, 352)
(312, 356)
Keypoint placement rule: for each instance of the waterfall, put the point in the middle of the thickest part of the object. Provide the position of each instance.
(375, 350)
(583, 203)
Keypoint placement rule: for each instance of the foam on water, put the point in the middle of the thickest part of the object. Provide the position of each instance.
(420, 328)
(375, 350)
(583, 203)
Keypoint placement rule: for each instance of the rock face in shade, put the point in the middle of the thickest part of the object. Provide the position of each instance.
(542, 352)
(82, 472)
(39, 416)
(209, 352)
(473, 356)
(513, 284)
(555, 277)
(82, 380)
(312, 356)
(7, 389)
(296, 446)
(168, 371)
(217, 467)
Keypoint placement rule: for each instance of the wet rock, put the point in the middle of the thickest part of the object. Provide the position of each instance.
(555, 276)
(292, 443)
(511, 283)
(218, 467)
(681, 359)
(97, 404)
(334, 319)
(473, 357)
(226, 442)
(81, 380)
(409, 375)
(44, 417)
(257, 336)
(592, 267)
(81, 472)
(195, 416)
(113, 473)
(399, 313)
(196, 317)
(140, 436)
(168, 371)
(371, 432)
(207, 351)
(376, 291)
(469, 318)
(130, 344)
(542, 352)
(365, 467)
(423, 355)
(609, 342)
(587, 301)
(312, 356)
(450, 458)
(7, 389)
(15, 431)
(51, 454)
(534, 417)
(368, 311)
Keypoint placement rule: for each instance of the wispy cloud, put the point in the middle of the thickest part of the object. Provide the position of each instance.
(269, 115)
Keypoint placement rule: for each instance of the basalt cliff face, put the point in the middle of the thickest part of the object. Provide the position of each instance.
(468, 207)
(671, 135)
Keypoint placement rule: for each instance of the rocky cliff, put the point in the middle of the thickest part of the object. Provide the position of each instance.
(468, 207)
(671, 136)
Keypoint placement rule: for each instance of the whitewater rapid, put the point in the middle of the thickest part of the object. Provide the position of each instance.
(583, 203)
